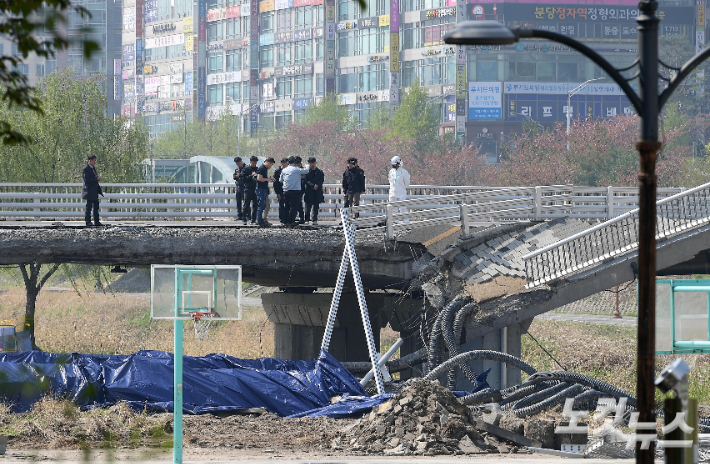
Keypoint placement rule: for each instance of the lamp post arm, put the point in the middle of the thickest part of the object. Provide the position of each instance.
(589, 53)
(684, 72)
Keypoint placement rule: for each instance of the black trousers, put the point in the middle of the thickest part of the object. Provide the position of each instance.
(293, 203)
(283, 212)
(300, 206)
(240, 200)
(250, 205)
(313, 207)
(92, 205)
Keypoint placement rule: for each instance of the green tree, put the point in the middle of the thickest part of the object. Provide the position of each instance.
(328, 109)
(73, 125)
(21, 23)
(417, 118)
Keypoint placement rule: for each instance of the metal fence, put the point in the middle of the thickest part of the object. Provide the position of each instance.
(616, 237)
(497, 205)
(426, 204)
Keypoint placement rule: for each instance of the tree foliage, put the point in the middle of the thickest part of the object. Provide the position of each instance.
(74, 123)
(22, 20)
(417, 119)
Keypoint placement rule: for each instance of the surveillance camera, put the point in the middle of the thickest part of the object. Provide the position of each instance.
(672, 375)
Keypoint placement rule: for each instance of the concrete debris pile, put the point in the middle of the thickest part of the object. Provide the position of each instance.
(427, 419)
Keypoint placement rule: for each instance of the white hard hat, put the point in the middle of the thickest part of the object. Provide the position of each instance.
(396, 160)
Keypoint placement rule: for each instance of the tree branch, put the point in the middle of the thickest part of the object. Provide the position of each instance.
(49, 273)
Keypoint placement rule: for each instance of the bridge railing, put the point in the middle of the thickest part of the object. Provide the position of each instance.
(499, 205)
(616, 237)
(426, 204)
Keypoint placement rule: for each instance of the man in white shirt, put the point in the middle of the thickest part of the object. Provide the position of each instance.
(399, 182)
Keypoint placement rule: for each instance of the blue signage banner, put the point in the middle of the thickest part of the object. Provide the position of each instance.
(521, 107)
(301, 103)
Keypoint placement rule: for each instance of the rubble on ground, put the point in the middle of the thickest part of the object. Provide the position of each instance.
(427, 419)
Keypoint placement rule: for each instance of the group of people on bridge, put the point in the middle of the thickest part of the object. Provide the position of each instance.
(293, 185)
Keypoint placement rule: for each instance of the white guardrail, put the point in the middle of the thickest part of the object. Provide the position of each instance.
(426, 204)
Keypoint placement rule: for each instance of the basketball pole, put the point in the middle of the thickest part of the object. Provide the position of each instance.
(177, 396)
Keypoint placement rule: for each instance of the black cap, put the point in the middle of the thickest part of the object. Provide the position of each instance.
(269, 160)
(312, 159)
(352, 160)
(284, 160)
(237, 159)
(253, 158)
(291, 159)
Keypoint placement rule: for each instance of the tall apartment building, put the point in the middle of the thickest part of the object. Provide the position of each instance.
(104, 28)
(268, 60)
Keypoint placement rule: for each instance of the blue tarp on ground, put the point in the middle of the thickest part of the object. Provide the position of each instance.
(214, 383)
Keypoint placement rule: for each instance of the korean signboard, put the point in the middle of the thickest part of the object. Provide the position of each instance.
(129, 18)
(302, 34)
(129, 53)
(164, 41)
(297, 69)
(176, 73)
(301, 103)
(224, 78)
(188, 84)
(217, 14)
(553, 107)
(485, 100)
(151, 11)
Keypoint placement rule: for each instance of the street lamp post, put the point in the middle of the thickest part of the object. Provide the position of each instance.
(648, 104)
(239, 129)
(572, 92)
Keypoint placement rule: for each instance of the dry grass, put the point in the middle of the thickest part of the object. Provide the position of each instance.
(606, 352)
(59, 424)
(120, 324)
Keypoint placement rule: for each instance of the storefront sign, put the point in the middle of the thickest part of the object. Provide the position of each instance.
(267, 107)
(224, 78)
(151, 11)
(449, 12)
(301, 103)
(129, 18)
(302, 34)
(165, 41)
(369, 22)
(217, 14)
(164, 28)
(485, 100)
(295, 70)
(129, 53)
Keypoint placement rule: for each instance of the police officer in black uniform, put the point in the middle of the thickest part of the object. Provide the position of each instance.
(239, 181)
(353, 183)
(250, 200)
(314, 190)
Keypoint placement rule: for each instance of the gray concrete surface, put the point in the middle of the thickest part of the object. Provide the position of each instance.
(277, 257)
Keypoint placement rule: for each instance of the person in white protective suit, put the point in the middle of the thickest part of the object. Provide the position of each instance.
(399, 182)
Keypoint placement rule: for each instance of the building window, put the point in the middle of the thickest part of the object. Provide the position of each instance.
(285, 56)
(234, 28)
(215, 31)
(304, 17)
(266, 23)
(214, 94)
(234, 59)
(430, 71)
(319, 85)
(214, 4)
(363, 79)
(40, 70)
(284, 87)
(319, 49)
(233, 92)
(346, 10)
(267, 56)
(15, 50)
(486, 71)
(304, 52)
(284, 21)
(304, 86)
(282, 119)
(216, 63)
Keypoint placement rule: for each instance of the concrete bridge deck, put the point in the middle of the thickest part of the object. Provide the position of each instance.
(278, 257)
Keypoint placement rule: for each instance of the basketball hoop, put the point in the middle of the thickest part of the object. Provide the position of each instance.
(202, 322)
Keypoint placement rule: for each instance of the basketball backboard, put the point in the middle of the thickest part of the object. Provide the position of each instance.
(181, 292)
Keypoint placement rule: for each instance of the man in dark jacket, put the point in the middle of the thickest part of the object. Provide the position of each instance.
(279, 190)
(250, 200)
(91, 190)
(237, 176)
(314, 190)
(353, 183)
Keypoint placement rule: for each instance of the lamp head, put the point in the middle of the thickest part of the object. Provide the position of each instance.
(672, 375)
(481, 33)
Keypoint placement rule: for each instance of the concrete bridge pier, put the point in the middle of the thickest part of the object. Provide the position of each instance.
(300, 320)
(506, 340)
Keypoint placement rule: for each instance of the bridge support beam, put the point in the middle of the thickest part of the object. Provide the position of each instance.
(300, 318)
